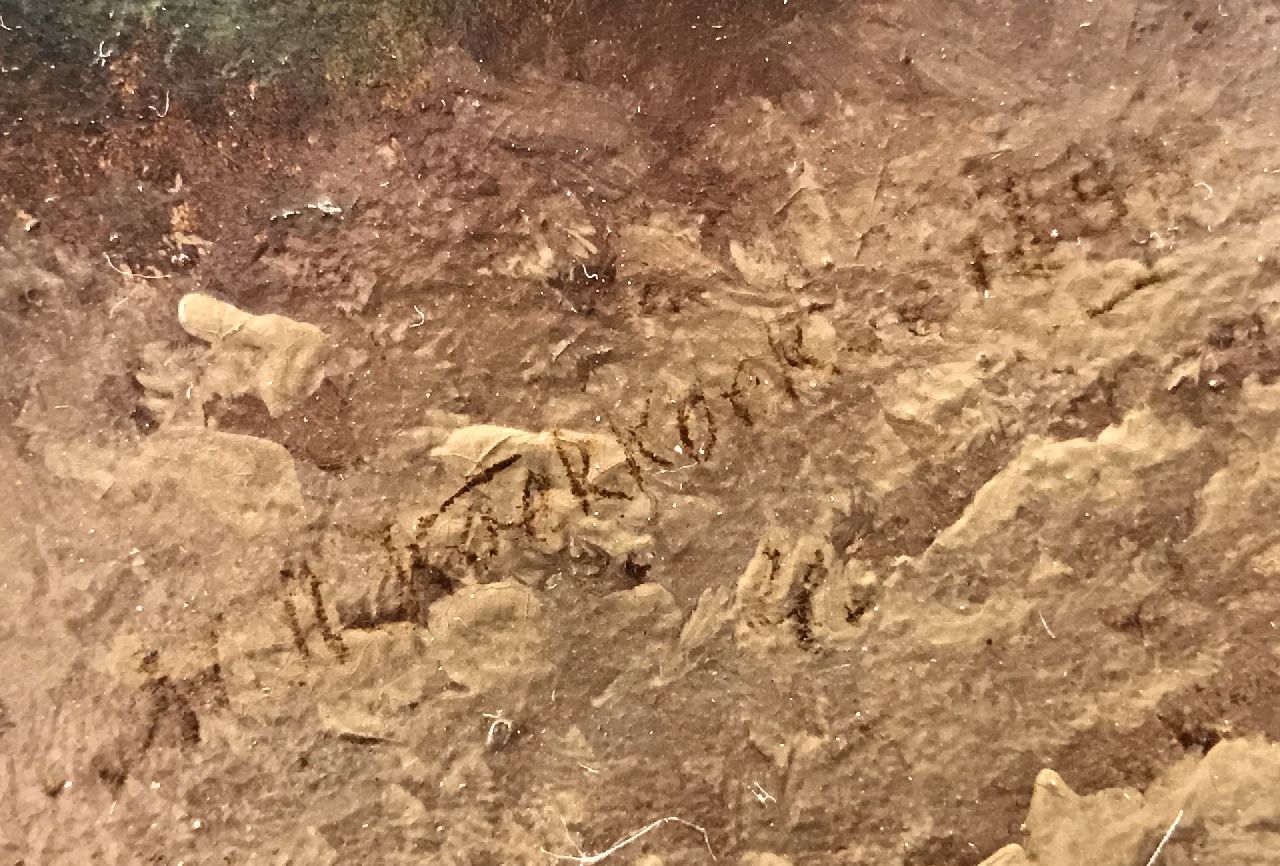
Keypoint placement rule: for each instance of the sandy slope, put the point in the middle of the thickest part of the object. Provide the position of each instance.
(816, 462)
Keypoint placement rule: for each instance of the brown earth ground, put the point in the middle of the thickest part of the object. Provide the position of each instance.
(904, 383)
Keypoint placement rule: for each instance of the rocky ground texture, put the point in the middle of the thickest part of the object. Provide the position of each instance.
(809, 424)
